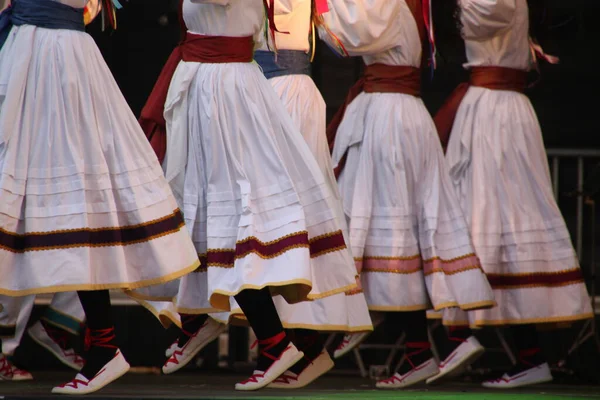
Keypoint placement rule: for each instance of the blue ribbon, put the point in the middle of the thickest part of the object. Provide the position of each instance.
(285, 62)
(43, 13)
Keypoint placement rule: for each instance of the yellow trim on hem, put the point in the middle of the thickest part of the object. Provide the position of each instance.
(237, 316)
(219, 298)
(478, 324)
(332, 292)
(418, 307)
(102, 286)
(435, 316)
(465, 307)
(141, 297)
(543, 320)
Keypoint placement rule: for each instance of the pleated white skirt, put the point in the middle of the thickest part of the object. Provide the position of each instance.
(407, 231)
(500, 170)
(255, 202)
(83, 200)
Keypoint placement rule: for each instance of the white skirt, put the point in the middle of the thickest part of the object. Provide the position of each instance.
(500, 170)
(257, 206)
(407, 232)
(83, 201)
(344, 312)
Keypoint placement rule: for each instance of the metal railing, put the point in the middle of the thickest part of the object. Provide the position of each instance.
(581, 156)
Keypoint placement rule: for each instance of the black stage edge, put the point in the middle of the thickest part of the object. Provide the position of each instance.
(204, 386)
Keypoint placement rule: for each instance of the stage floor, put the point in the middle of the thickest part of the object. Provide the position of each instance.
(211, 386)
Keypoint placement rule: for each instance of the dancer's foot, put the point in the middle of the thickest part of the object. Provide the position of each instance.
(311, 372)
(8, 371)
(105, 363)
(459, 360)
(277, 355)
(109, 372)
(184, 351)
(521, 376)
(419, 365)
(349, 343)
(56, 341)
(417, 374)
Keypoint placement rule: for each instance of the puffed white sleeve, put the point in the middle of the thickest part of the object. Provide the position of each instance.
(362, 26)
(483, 19)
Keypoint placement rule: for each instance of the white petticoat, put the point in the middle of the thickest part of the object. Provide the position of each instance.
(500, 170)
(83, 201)
(345, 312)
(255, 201)
(407, 232)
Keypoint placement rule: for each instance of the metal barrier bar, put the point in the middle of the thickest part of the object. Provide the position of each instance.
(579, 237)
(555, 169)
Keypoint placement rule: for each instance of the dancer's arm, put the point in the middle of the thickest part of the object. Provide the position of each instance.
(484, 19)
(362, 26)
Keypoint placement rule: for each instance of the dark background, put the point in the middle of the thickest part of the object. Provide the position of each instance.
(566, 99)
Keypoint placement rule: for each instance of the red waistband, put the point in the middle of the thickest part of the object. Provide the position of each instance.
(381, 78)
(377, 78)
(193, 48)
(495, 78)
(216, 49)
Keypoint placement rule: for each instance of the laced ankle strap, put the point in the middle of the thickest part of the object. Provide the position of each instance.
(59, 336)
(419, 347)
(100, 338)
(453, 333)
(524, 354)
(267, 344)
(186, 319)
(306, 342)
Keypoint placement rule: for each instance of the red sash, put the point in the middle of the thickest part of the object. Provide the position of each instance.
(380, 78)
(193, 48)
(377, 78)
(496, 78)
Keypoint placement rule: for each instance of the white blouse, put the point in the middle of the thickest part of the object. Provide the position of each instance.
(382, 31)
(224, 17)
(496, 33)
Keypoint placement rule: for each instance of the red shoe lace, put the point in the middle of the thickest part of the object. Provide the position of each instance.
(100, 338)
(452, 330)
(345, 341)
(266, 345)
(391, 379)
(59, 336)
(307, 342)
(420, 346)
(185, 320)
(6, 368)
(524, 354)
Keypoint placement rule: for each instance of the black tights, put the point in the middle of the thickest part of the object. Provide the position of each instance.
(190, 324)
(414, 325)
(310, 343)
(259, 309)
(98, 313)
(528, 347)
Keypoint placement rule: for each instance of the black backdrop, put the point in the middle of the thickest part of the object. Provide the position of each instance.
(565, 100)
